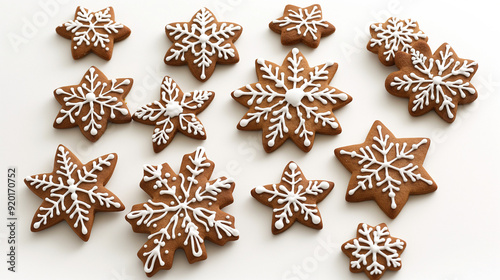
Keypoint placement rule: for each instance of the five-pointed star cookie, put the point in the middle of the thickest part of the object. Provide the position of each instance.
(386, 169)
(92, 103)
(175, 111)
(438, 81)
(202, 43)
(374, 251)
(74, 192)
(304, 25)
(393, 36)
(183, 212)
(93, 32)
(294, 198)
(292, 101)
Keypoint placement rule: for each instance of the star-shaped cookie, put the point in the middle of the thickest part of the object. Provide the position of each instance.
(439, 81)
(92, 103)
(374, 251)
(175, 111)
(74, 192)
(386, 169)
(202, 43)
(292, 101)
(93, 32)
(304, 25)
(183, 212)
(294, 198)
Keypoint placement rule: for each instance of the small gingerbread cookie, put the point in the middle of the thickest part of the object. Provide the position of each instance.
(294, 198)
(183, 212)
(92, 103)
(393, 36)
(374, 251)
(175, 111)
(93, 32)
(386, 169)
(304, 25)
(292, 100)
(74, 192)
(439, 81)
(202, 43)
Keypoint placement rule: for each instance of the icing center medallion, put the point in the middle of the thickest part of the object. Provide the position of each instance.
(173, 109)
(294, 96)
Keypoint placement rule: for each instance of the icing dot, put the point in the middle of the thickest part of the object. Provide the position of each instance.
(204, 38)
(181, 215)
(210, 204)
(155, 225)
(279, 224)
(316, 219)
(166, 251)
(260, 189)
(75, 47)
(145, 246)
(180, 197)
(107, 48)
(293, 166)
(227, 217)
(179, 234)
(174, 178)
(93, 131)
(172, 203)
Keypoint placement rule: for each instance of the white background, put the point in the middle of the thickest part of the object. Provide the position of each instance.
(451, 234)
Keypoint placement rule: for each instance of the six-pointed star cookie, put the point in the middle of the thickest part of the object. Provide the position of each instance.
(74, 192)
(291, 101)
(175, 111)
(183, 212)
(393, 36)
(92, 103)
(294, 198)
(438, 81)
(304, 25)
(202, 43)
(93, 31)
(374, 251)
(386, 169)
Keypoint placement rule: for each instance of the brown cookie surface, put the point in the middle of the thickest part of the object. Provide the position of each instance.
(294, 198)
(202, 43)
(93, 32)
(74, 192)
(292, 100)
(386, 169)
(374, 251)
(183, 212)
(304, 25)
(92, 103)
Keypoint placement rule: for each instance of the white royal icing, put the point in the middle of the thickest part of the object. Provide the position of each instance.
(303, 18)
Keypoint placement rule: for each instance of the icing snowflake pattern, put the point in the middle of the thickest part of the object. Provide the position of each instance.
(438, 81)
(73, 192)
(292, 100)
(201, 43)
(183, 212)
(92, 103)
(294, 198)
(392, 36)
(374, 251)
(302, 24)
(93, 31)
(175, 111)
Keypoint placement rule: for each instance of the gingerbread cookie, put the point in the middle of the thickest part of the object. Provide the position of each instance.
(374, 251)
(175, 111)
(93, 32)
(202, 43)
(386, 169)
(304, 25)
(393, 36)
(74, 192)
(438, 81)
(92, 103)
(294, 198)
(291, 101)
(184, 210)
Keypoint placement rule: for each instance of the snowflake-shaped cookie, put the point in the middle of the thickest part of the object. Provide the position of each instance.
(291, 101)
(184, 210)
(374, 251)
(438, 81)
(294, 198)
(74, 192)
(304, 25)
(202, 43)
(93, 31)
(386, 169)
(175, 111)
(393, 36)
(92, 103)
